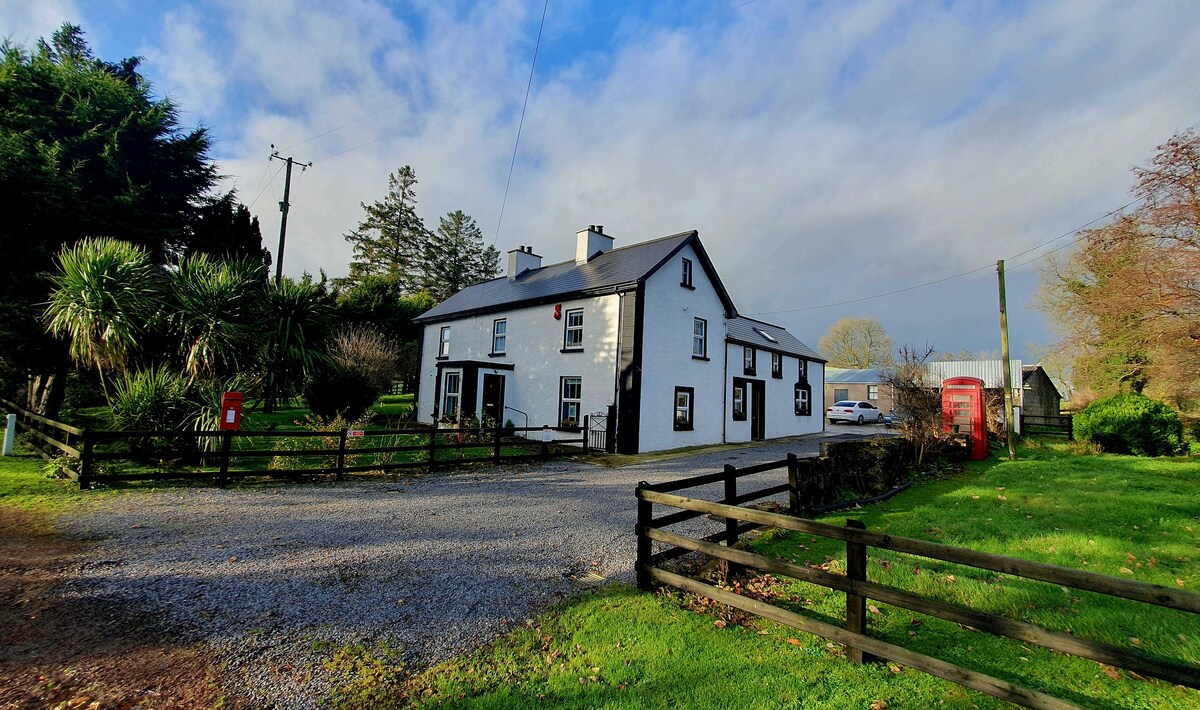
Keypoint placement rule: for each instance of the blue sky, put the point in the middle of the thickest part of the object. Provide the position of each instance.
(825, 151)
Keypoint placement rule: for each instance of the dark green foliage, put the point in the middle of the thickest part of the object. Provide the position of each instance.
(338, 390)
(224, 229)
(391, 239)
(294, 326)
(155, 399)
(456, 257)
(1131, 424)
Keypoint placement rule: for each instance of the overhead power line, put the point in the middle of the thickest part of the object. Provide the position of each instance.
(944, 279)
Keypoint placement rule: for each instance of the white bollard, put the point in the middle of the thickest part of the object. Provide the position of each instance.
(10, 433)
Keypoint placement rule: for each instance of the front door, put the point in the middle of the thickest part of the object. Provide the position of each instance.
(493, 398)
(758, 410)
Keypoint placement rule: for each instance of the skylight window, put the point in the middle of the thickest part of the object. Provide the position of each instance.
(765, 334)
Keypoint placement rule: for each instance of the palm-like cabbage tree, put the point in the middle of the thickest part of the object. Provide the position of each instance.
(216, 306)
(295, 322)
(103, 295)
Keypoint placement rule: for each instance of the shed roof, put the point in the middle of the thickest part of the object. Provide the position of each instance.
(990, 371)
(852, 376)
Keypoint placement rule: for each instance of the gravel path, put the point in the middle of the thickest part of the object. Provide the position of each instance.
(268, 577)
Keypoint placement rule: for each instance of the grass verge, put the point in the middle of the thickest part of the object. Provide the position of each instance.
(1123, 516)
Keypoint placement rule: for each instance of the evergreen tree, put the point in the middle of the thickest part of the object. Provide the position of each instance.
(391, 240)
(224, 229)
(456, 257)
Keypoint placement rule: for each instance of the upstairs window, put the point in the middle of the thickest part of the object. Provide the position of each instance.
(748, 361)
(499, 336)
(777, 366)
(444, 344)
(686, 278)
(570, 395)
(700, 338)
(684, 397)
(573, 333)
(803, 369)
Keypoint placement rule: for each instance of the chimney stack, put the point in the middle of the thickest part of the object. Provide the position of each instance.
(522, 259)
(590, 242)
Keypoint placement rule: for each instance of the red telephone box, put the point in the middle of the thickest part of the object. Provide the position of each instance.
(962, 412)
(231, 410)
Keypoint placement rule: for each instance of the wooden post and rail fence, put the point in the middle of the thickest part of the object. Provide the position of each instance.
(860, 646)
(86, 450)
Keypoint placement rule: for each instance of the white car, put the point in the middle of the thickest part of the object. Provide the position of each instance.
(851, 411)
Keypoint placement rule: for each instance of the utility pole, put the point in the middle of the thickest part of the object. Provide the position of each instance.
(1008, 394)
(283, 207)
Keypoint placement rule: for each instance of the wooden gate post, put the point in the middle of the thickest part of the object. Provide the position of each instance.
(226, 442)
(856, 606)
(433, 446)
(587, 431)
(645, 516)
(341, 457)
(731, 524)
(793, 485)
(86, 461)
(496, 444)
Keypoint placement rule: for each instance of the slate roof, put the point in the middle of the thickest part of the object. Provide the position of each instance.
(741, 329)
(853, 376)
(606, 273)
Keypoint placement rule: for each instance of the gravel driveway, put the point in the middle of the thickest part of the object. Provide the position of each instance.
(268, 577)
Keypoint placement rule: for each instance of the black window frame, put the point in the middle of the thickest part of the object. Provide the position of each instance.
(738, 409)
(495, 324)
(567, 328)
(562, 400)
(688, 425)
(749, 354)
(444, 343)
(803, 409)
(803, 368)
(702, 336)
(685, 276)
(777, 365)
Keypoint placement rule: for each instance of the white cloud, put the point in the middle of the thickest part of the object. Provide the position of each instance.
(24, 21)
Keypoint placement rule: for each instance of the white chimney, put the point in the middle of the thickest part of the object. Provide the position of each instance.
(590, 242)
(522, 259)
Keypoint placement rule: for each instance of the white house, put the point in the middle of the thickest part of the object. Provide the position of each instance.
(644, 337)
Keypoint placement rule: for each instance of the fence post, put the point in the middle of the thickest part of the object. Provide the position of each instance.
(731, 524)
(496, 444)
(341, 457)
(587, 432)
(433, 446)
(793, 485)
(645, 516)
(856, 606)
(1070, 428)
(10, 433)
(226, 442)
(86, 459)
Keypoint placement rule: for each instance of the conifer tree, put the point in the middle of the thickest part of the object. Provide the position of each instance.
(392, 239)
(456, 256)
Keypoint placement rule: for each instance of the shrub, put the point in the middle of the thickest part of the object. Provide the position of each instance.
(368, 352)
(153, 400)
(1131, 424)
(340, 391)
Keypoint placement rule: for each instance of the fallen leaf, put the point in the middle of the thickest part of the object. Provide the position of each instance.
(1179, 582)
(795, 642)
(1135, 641)
(974, 497)
(893, 668)
(719, 624)
(1112, 673)
(1126, 570)
(950, 578)
(999, 488)
(878, 705)
(873, 609)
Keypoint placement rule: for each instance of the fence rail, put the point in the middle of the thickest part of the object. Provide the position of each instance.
(858, 589)
(223, 455)
(1049, 425)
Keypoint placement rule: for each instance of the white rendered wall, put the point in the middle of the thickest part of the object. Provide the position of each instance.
(534, 341)
(780, 409)
(667, 360)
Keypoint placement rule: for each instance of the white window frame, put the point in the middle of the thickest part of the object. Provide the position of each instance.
(873, 393)
(499, 336)
(685, 401)
(566, 403)
(569, 342)
(686, 276)
(449, 410)
(700, 337)
(444, 342)
(777, 365)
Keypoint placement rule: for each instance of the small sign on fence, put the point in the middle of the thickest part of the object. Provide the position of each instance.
(355, 432)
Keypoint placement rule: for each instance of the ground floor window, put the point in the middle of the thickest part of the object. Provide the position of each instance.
(451, 395)
(872, 392)
(739, 402)
(803, 399)
(839, 395)
(571, 391)
(684, 400)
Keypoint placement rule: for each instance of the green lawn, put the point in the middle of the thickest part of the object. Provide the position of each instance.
(24, 484)
(1123, 516)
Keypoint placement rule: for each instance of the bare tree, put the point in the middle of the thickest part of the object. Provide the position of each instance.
(858, 343)
(915, 395)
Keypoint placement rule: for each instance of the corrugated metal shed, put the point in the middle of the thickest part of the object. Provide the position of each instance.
(756, 333)
(990, 371)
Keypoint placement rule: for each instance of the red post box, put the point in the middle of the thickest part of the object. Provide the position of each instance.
(231, 410)
(962, 412)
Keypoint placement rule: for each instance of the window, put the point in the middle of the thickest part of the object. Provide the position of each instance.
(573, 335)
(839, 395)
(684, 396)
(766, 336)
(444, 345)
(499, 336)
(873, 392)
(700, 338)
(748, 360)
(571, 389)
(777, 366)
(803, 369)
(451, 389)
(803, 399)
(739, 403)
(686, 279)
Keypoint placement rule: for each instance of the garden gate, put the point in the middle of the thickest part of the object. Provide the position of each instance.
(600, 430)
